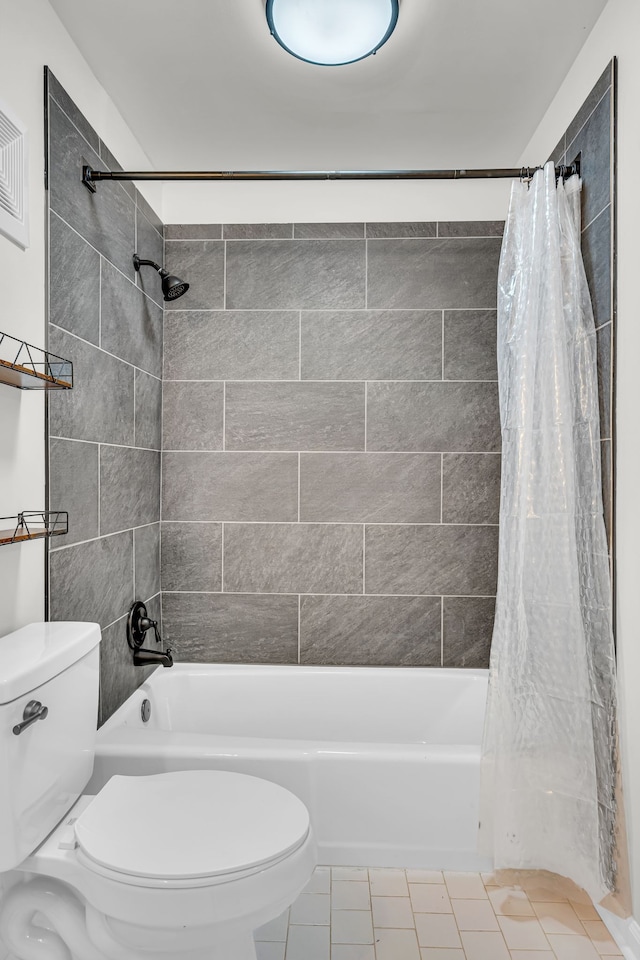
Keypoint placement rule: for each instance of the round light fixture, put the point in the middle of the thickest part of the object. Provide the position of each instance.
(331, 32)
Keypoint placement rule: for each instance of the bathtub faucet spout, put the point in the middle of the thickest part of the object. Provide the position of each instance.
(142, 657)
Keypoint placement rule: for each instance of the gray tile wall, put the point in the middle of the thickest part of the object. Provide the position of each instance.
(105, 434)
(591, 135)
(331, 443)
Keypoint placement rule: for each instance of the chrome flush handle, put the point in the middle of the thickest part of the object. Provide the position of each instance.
(32, 712)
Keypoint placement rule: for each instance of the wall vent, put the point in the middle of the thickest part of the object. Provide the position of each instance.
(14, 222)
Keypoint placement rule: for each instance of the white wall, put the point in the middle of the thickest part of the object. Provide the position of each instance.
(617, 33)
(347, 201)
(33, 36)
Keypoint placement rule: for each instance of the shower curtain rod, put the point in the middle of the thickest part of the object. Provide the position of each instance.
(90, 176)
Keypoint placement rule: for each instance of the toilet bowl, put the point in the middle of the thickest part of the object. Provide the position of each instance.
(175, 865)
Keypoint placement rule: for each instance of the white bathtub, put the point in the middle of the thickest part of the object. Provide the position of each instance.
(386, 759)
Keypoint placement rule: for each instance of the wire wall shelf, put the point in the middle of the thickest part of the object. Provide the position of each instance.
(29, 368)
(33, 525)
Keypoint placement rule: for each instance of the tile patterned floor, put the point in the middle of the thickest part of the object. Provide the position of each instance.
(351, 913)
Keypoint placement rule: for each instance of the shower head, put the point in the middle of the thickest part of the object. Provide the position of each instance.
(172, 287)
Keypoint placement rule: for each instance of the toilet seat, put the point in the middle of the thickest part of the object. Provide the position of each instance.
(189, 828)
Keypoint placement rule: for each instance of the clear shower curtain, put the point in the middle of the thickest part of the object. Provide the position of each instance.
(549, 750)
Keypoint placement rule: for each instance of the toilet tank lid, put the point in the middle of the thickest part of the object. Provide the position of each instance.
(40, 651)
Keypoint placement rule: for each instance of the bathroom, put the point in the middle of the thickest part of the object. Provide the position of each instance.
(296, 464)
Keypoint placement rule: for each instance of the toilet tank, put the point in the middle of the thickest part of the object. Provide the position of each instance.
(45, 768)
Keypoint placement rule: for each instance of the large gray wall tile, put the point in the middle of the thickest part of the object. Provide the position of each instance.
(73, 486)
(293, 558)
(596, 252)
(193, 231)
(410, 229)
(604, 82)
(295, 416)
(149, 246)
(147, 211)
(230, 486)
(232, 345)
(380, 631)
(100, 406)
(372, 345)
(74, 282)
(192, 556)
(218, 628)
(436, 274)
(432, 560)
(296, 274)
(329, 231)
(118, 676)
(470, 487)
(131, 323)
(129, 488)
(201, 264)
(467, 629)
(604, 380)
(146, 543)
(148, 411)
(257, 231)
(593, 143)
(192, 416)
(105, 218)
(470, 345)
(433, 416)
(374, 487)
(92, 581)
(62, 98)
(470, 228)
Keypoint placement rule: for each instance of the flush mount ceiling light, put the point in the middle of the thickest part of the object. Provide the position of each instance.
(332, 32)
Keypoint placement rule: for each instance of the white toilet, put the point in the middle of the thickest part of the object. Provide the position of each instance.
(178, 866)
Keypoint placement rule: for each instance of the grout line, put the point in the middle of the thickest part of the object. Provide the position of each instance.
(99, 466)
(121, 446)
(224, 274)
(442, 350)
(106, 259)
(579, 131)
(321, 453)
(106, 352)
(366, 404)
(417, 309)
(221, 561)
(597, 217)
(103, 536)
(134, 564)
(298, 487)
(442, 631)
(135, 436)
(324, 523)
(299, 345)
(288, 593)
(441, 487)
(299, 606)
(305, 380)
(366, 274)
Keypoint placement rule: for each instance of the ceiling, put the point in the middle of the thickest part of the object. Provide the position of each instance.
(203, 85)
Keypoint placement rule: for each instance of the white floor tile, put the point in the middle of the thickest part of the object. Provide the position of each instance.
(424, 876)
(465, 886)
(351, 926)
(350, 895)
(437, 930)
(523, 933)
(388, 883)
(308, 943)
(320, 881)
(352, 951)
(558, 918)
(429, 898)
(573, 948)
(349, 873)
(508, 902)
(435, 953)
(396, 945)
(474, 915)
(601, 938)
(311, 908)
(532, 955)
(584, 911)
(274, 930)
(270, 951)
(392, 912)
(484, 946)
